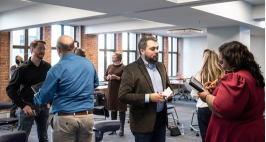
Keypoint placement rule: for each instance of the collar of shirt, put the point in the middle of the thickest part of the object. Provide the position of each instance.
(150, 66)
(67, 56)
(31, 63)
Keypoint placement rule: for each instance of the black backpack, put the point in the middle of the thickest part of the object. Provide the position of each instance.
(174, 131)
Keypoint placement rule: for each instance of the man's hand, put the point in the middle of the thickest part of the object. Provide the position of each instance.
(169, 97)
(48, 105)
(158, 97)
(27, 110)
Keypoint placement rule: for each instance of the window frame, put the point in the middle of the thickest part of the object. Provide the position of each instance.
(128, 51)
(26, 45)
(105, 50)
(172, 53)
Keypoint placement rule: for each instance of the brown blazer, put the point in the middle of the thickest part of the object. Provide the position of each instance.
(136, 82)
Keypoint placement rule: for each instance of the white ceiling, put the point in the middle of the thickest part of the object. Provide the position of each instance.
(157, 11)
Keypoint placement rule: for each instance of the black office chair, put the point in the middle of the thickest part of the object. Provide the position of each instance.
(7, 121)
(18, 136)
(100, 127)
(99, 105)
(168, 113)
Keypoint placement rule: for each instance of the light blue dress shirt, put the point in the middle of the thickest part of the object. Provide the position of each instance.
(156, 83)
(70, 84)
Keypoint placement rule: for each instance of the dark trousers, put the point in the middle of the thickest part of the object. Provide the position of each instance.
(25, 123)
(158, 133)
(13, 110)
(204, 116)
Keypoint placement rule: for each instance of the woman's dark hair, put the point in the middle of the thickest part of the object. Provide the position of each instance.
(80, 52)
(238, 57)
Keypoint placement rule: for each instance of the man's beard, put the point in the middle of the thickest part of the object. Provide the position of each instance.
(151, 60)
(39, 56)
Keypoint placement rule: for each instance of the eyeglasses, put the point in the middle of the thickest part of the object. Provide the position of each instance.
(220, 63)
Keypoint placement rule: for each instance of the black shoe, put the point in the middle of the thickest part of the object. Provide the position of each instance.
(112, 132)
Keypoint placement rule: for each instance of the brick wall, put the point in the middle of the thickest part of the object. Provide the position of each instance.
(119, 42)
(4, 64)
(90, 44)
(166, 51)
(47, 39)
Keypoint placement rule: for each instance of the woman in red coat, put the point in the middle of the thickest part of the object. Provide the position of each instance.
(238, 101)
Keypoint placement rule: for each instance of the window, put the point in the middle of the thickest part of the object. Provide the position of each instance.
(172, 56)
(129, 46)
(106, 45)
(21, 42)
(56, 32)
(160, 44)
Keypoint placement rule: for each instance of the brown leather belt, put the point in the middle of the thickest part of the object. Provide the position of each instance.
(76, 113)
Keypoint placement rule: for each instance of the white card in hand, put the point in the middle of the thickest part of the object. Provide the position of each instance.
(167, 92)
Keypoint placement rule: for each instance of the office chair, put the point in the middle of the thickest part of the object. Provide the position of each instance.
(7, 121)
(100, 127)
(168, 113)
(99, 105)
(18, 136)
(194, 127)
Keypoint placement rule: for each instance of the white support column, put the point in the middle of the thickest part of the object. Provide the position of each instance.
(220, 35)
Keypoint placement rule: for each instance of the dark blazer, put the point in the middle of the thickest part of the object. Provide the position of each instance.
(136, 82)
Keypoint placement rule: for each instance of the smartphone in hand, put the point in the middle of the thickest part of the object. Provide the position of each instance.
(33, 114)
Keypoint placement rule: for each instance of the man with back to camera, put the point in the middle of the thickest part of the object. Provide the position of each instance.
(70, 84)
(30, 73)
(18, 60)
(141, 87)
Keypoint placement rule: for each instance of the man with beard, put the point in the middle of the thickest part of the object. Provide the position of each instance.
(143, 82)
(30, 73)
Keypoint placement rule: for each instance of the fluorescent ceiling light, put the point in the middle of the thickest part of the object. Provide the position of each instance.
(181, 1)
(26, 0)
(188, 31)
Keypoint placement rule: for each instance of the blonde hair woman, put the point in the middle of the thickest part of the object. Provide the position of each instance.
(210, 71)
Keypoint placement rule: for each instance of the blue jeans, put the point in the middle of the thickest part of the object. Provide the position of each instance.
(41, 118)
(158, 133)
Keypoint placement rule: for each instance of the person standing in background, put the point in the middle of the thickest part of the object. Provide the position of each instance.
(210, 71)
(18, 60)
(238, 102)
(70, 84)
(113, 76)
(30, 73)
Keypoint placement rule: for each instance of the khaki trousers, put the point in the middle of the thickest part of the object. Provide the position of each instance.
(70, 128)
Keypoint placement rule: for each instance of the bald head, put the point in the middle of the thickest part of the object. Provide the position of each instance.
(65, 43)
